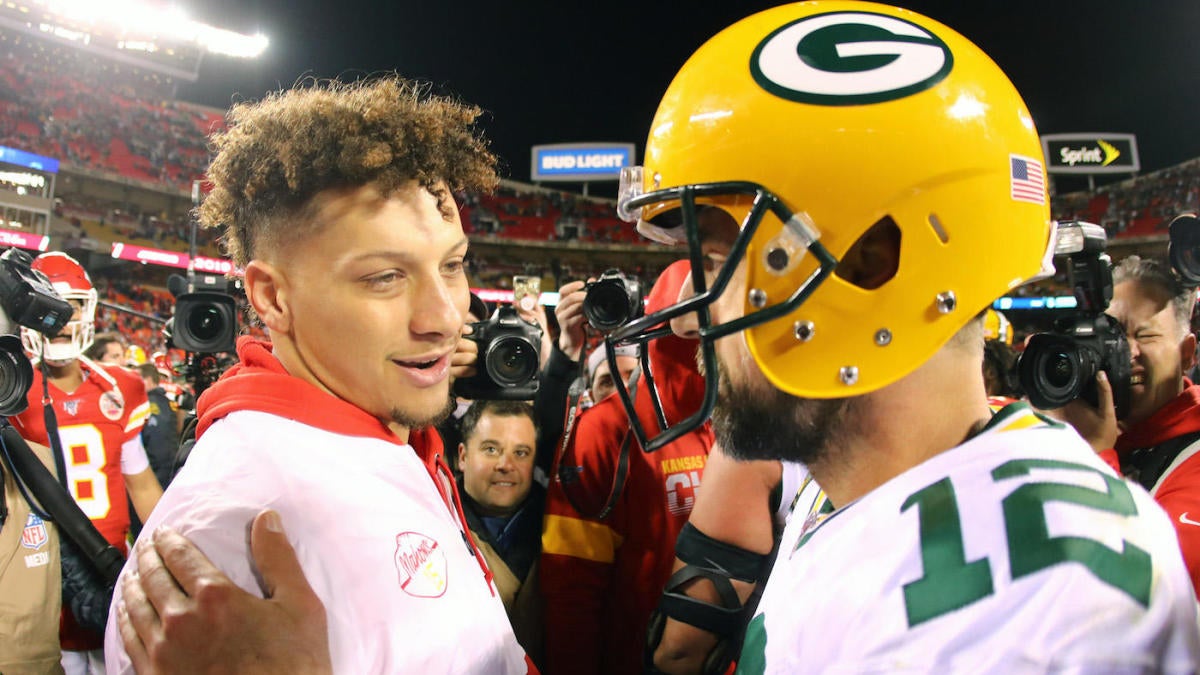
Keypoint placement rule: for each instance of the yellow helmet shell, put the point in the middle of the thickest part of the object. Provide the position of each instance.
(134, 356)
(997, 327)
(851, 113)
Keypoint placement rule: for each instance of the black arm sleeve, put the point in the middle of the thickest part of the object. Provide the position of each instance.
(551, 404)
(83, 592)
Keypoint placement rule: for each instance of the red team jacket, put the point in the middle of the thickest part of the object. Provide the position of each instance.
(94, 421)
(602, 578)
(1178, 492)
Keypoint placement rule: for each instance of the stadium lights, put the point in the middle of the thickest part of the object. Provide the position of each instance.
(144, 21)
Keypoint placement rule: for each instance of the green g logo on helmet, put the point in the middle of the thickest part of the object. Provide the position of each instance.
(849, 58)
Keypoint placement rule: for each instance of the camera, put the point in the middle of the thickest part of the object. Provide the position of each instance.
(27, 296)
(205, 317)
(1184, 247)
(1060, 365)
(612, 300)
(27, 299)
(509, 358)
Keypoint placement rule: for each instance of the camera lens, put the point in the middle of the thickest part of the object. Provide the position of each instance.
(1184, 249)
(1058, 370)
(16, 376)
(1055, 370)
(607, 305)
(206, 323)
(511, 360)
(1059, 376)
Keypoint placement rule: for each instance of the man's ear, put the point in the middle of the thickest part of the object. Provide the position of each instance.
(462, 455)
(267, 293)
(1187, 351)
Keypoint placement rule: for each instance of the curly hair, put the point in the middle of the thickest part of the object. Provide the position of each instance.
(279, 153)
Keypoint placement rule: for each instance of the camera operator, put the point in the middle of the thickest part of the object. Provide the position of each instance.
(30, 579)
(559, 372)
(562, 366)
(1156, 443)
(604, 566)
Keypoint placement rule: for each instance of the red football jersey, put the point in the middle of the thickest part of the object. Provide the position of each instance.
(94, 421)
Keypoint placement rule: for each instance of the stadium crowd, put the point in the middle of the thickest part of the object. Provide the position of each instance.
(51, 108)
(566, 532)
(1137, 207)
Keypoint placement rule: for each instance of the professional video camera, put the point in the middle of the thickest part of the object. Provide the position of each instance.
(509, 357)
(1060, 366)
(1184, 249)
(204, 324)
(205, 317)
(612, 300)
(27, 299)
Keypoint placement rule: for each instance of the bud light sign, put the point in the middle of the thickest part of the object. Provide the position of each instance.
(580, 162)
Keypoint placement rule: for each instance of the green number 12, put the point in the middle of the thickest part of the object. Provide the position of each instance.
(951, 582)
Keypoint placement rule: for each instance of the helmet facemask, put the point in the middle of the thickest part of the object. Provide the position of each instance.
(782, 253)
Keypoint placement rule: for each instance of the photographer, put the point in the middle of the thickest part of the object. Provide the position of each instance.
(1156, 443)
(30, 579)
(562, 367)
(604, 565)
(559, 372)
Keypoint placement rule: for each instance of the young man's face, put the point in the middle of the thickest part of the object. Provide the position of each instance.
(1161, 349)
(497, 462)
(376, 298)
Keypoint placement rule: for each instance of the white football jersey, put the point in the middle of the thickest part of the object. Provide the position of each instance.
(1018, 551)
(403, 593)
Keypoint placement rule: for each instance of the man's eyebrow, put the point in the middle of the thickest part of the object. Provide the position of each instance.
(404, 256)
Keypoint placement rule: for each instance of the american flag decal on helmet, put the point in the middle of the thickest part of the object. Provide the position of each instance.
(1027, 180)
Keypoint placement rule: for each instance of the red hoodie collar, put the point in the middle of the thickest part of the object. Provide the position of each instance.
(259, 382)
(1180, 416)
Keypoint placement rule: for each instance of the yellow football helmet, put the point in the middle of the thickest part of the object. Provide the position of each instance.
(811, 123)
(135, 356)
(997, 327)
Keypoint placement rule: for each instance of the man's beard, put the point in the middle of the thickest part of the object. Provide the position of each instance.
(409, 420)
(762, 422)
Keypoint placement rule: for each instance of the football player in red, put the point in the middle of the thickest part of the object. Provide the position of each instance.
(99, 411)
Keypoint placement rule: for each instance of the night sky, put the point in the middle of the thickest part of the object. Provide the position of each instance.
(563, 71)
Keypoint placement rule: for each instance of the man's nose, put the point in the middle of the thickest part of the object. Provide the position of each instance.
(435, 310)
(504, 462)
(1134, 350)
